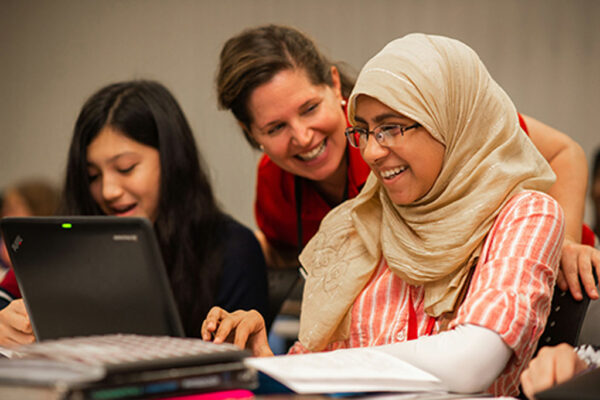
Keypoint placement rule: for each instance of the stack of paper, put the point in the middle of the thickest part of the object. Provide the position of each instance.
(346, 371)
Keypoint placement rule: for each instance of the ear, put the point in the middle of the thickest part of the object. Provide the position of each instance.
(337, 82)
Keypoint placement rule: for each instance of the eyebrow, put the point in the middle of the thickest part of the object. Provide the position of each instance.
(269, 124)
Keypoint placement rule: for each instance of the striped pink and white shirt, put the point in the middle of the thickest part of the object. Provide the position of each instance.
(510, 291)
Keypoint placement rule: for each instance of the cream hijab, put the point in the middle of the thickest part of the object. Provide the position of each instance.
(442, 84)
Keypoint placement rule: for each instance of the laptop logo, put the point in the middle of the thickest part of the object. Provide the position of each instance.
(125, 238)
(17, 243)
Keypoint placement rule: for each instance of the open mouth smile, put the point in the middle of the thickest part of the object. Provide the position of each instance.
(392, 173)
(314, 153)
(122, 209)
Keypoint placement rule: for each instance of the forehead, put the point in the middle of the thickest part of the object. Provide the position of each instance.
(369, 109)
(285, 92)
(110, 143)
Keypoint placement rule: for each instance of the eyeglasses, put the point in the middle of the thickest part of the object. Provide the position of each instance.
(384, 134)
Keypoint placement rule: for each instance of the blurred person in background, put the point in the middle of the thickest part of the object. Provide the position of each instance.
(30, 197)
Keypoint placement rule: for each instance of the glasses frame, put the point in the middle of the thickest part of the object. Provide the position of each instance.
(381, 133)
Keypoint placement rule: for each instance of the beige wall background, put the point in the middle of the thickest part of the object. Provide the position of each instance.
(54, 54)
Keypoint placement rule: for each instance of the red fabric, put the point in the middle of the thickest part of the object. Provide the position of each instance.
(523, 124)
(275, 206)
(587, 235)
(412, 329)
(9, 284)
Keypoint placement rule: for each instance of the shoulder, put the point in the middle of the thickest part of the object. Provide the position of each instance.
(530, 225)
(272, 180)
(533, 213)
(239, 240)
(529, 203)
(267, 168)
(235, 230)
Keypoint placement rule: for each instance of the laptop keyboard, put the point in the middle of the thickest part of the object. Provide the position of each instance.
(117, 349)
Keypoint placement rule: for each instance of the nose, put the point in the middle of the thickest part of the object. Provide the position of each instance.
(302, 134)
(111, 189)
(373, 151)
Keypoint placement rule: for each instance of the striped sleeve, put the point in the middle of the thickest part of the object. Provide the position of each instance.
(512, 285)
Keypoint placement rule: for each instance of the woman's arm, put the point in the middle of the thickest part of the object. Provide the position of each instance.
(277, 256)
(568, 162)
(511, 288)
(441, 354)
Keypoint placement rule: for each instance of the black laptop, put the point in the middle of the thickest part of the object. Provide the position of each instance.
(84, 276)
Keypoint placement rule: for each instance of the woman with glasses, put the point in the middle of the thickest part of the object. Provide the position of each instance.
(448, 257)
(133, 154)
(289, 101)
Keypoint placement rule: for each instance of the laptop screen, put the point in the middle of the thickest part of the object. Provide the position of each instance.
(91, 275)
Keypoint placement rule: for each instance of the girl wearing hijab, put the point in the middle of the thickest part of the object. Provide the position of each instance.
(449, 255)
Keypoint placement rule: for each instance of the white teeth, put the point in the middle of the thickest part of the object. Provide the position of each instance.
(314, 153)
(390, 173)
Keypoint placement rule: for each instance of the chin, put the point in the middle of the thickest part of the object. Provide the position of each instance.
(322, 174)
(399, 200)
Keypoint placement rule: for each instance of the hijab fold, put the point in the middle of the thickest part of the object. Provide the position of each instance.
(434, 241)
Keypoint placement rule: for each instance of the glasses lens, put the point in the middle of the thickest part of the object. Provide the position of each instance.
(362, 137)
(352, 135)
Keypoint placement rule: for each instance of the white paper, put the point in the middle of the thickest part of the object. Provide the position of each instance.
(347, 370)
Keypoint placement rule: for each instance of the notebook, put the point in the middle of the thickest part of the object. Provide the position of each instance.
(84, 276)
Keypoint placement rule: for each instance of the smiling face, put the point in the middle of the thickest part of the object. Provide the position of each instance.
(124, 175)
(409, 167)
(300, 125)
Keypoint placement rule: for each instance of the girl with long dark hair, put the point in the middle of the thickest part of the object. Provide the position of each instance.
(133, 154)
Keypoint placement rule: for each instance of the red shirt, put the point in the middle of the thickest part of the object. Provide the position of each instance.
(275, 206)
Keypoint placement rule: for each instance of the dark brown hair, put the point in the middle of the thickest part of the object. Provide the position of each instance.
(256, 55)
(188, 214)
